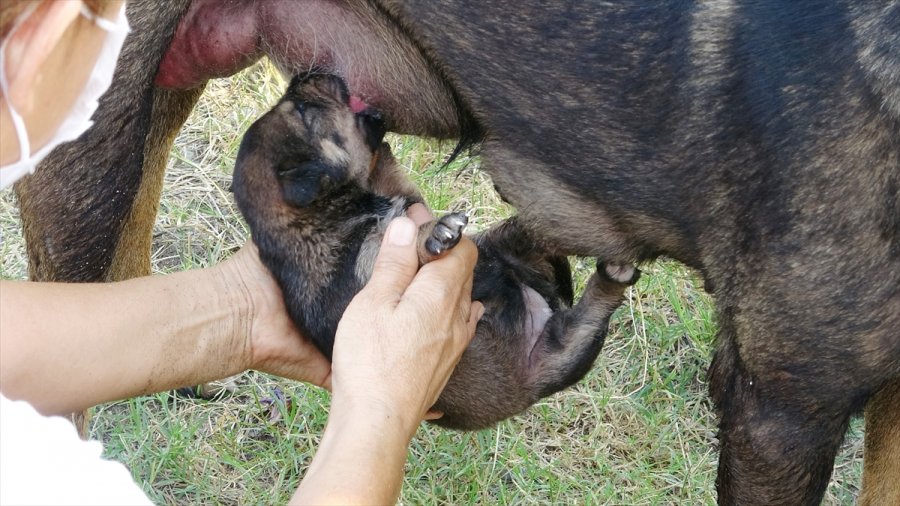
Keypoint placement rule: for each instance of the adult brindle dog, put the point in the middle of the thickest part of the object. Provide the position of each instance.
(758, 142)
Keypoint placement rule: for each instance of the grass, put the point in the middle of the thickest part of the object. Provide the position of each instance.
(638, 430)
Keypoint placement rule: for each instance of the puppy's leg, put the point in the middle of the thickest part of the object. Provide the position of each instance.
(881, 469)
(573, 338)
(388, 179)
(433, 239)
(436, 237)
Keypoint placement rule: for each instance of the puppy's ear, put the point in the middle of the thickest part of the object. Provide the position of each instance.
(302, 183)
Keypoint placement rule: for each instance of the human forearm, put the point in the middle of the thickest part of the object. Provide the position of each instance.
(66, 347)
(360, 459)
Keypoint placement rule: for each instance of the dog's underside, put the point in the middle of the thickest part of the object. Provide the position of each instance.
(757, 142)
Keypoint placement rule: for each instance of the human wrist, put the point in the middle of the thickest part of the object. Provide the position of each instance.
(235, 298)
(360, 458)
(393, 417)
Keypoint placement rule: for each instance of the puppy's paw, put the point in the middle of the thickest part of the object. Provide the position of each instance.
(211, 390)
(626, 274)
(446, 233)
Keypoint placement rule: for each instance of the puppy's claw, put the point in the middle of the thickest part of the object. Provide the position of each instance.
(446, 233)
(433, 246)
(455, 220)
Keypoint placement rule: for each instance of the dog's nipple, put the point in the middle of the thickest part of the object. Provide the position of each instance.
(357, 105)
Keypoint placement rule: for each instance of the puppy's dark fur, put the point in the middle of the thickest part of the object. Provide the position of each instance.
(318, 188)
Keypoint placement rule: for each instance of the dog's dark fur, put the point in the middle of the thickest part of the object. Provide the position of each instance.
(758, 142)
(318, 187)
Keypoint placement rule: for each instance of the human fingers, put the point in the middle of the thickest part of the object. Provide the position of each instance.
(447, 279)
(396, 262)
(397, 354)
(441, 299)
(456, 343)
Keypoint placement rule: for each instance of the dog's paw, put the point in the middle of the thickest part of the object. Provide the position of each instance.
(446, 233)
(620, 273)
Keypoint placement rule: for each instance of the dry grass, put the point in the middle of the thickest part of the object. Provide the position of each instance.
(638, 430)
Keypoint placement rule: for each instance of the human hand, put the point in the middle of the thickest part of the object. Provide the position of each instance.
(272, 342)
(402, 335)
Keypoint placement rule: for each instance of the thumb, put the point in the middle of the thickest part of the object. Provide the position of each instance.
(397, 261)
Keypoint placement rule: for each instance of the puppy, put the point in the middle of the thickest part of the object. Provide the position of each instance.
(318, 187)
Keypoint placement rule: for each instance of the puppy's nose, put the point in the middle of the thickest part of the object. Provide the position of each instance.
(371, 114)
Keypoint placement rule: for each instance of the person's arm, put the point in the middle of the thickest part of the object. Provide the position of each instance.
(359, 460)
(66, 347)
(394, 351)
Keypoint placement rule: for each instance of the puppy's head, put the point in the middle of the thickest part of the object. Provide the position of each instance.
(312, 143)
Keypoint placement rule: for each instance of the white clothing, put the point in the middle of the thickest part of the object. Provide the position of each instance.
(43, 461)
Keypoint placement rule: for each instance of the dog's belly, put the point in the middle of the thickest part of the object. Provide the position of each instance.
(569, 96)
(609, 145)
(352, 39)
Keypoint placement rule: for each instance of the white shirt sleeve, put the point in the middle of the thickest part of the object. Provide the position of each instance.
(43, 461)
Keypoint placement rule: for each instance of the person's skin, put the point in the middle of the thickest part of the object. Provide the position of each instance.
(54, 41)
(394, 321)
(66, 347)
(161, 332)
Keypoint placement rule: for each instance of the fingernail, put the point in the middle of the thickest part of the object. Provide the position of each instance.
(401, 232)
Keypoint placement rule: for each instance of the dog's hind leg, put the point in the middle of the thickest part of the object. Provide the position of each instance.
(132, 254)
(778, 438)
(88, 210)
(78, 202)
(881, 471)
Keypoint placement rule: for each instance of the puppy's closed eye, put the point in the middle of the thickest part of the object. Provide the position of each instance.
(302, 182)
(309, 113)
